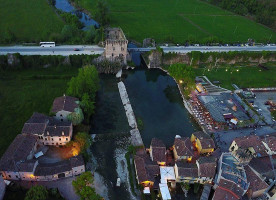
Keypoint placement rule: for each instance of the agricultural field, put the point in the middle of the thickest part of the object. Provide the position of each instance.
(24, 92)
(178, 21)
(243, 77)
(28, 20)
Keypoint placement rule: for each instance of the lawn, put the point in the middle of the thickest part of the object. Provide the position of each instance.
(28, 20)
(243, 77)
(181, 20)
(21, 95)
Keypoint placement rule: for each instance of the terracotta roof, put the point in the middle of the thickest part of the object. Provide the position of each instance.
(76, 161)
(263, 165)
(158, 149)
(65, 103)
(205, 140)
(207, 166)
(231, 188)
(53, 168)
(36, 124)
(17, 152)
(183, 146)
(222, 193)
(187, 169)
(40, 124)
(256, 183)
(253, 141)
(56, 127)
(27, 166)
(145, 168)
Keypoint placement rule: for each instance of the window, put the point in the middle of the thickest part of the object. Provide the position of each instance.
(61, 120)
(66, 139)
(113, 48)
(53, 143)
(45, 138)
(59, 139)
(16, 176)
(60, 143)
(10, 176)
(52, 139)
(122, 49)
(61, 115)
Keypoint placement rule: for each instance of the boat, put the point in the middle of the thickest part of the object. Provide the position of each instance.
(118, 182)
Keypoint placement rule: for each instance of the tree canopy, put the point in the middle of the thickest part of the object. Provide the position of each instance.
(37, 192)
(82, 186)
(84, 86)
(102, 13)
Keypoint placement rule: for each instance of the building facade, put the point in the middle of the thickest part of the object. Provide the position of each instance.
(116, 45)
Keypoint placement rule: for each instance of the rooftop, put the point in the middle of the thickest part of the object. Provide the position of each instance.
(207, 166)
(187, 169)
(205, 140)
(65, 103)
(252, 141)
(113, 34)
(223, 104)
(233, 175)
(158, 149)
(40, 124)
(183, 146)
(17, 152)
(255, 181)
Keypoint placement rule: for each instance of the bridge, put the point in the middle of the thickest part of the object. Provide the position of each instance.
(66, 50)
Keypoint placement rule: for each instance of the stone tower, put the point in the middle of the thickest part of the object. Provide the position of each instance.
(115, 45)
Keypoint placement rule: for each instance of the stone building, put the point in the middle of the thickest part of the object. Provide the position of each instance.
(63, 106)
(50, 131)
(116, 45)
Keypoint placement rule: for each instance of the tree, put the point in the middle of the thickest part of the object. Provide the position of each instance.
(76, 117)
(102, 13)
(87, 105)
(82, 186)
(37, 192)
(90, 34)
(84, 140)
(87, 81)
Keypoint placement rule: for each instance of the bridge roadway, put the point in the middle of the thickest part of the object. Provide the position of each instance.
(93, 49)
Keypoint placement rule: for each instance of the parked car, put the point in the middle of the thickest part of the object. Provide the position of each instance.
(76, 49)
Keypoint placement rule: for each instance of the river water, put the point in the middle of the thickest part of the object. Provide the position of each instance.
(65, 6)
(156, 101)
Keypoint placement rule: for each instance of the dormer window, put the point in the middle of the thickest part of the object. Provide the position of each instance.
(47, 132)
(62, 133)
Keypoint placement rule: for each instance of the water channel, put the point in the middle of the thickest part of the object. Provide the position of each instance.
(65, 6)
(156, 101)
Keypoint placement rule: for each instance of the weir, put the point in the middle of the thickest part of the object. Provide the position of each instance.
(136, 139)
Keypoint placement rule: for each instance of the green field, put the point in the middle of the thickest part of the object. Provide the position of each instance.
(28, 20)
(22, 93)
(181, 20)
(243, 77)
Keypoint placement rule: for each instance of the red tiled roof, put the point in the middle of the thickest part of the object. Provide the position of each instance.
(207, 166)
(183, 146)
(256, 183)
(158, 149)
(187, 169)
(65, 103)
(223, 193)
(251, 141)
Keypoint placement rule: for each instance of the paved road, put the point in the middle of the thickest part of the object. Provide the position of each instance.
(69, 49)
(58, 50)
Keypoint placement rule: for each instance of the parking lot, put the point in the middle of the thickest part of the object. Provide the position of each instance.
(261, 98)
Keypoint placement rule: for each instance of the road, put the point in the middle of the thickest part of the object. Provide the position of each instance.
(94, 49)
(64, 50)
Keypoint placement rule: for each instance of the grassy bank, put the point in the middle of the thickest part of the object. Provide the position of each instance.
(22, 93)
(28, 20)
(243, 77)
(178, 21)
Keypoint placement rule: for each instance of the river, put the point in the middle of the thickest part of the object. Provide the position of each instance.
(65, 6)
